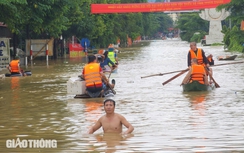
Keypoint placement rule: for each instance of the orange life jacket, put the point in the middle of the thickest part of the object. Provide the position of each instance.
(198, 56)
(92, 75)
(101, 51)
(197, 73)
(14, 64)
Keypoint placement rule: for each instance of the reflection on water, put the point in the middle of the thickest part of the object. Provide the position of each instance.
(112, 141)
(197, 101)
(165, 118)
(93, 111)
(14, 83)
(15, 97)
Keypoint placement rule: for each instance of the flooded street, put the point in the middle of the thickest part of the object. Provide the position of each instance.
(165, 119)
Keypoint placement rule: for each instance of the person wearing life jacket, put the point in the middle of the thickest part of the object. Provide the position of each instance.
(196, 73)
(14, 66)
(200, 55)
(112, 55)
(94, 78)
(105, 65)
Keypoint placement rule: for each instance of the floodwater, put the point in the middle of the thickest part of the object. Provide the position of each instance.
(165, 119)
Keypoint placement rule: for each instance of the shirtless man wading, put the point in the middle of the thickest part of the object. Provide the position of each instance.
(111, 122)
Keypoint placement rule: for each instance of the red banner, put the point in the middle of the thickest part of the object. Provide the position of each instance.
(155, 7)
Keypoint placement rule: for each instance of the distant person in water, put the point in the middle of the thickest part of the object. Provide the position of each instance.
(111, 122)
(14, 67)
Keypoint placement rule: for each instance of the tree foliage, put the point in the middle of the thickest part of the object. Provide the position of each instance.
(190, 24)
(53, 18)
(234, 37)
(235, 7)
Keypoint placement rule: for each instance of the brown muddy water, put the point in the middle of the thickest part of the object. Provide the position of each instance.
(165, 119)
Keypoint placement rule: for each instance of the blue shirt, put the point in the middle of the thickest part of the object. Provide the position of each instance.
(106, 61)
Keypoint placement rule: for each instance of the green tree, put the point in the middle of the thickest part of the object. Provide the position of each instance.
(46, 18)
(190, 24)
(30, 19)
(235, 7)
(234, 38)
(9, 12)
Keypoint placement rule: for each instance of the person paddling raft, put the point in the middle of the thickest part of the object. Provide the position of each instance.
(96, 81)
(107, 62)
(14, 67)
(196, 73)
(199, 54)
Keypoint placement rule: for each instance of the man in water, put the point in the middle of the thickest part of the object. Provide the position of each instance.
(14, 66)
(111, 122)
